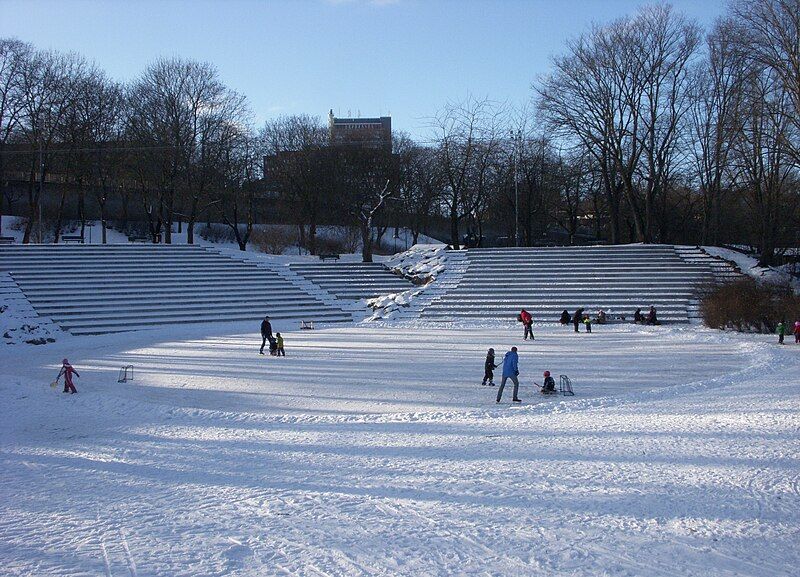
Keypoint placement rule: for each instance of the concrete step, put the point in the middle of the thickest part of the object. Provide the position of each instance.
(186, 280)
(117, 327)
(129, 305)
(184, 295)
(141, 311)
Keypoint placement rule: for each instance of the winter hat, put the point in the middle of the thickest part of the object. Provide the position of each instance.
(492, 350)
(65, 362)
(547, 373)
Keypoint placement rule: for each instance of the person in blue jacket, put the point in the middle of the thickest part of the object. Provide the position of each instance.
(510, 371)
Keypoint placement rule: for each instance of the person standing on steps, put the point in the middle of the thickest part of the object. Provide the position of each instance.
(527, 321)
(68, 370)
(266, 333)
(577, 319)
(510, 371)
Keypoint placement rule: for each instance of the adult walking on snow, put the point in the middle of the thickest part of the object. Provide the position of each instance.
(797, 331)
(266, 334)
(527, 320)
(510, 371)
(577, 319)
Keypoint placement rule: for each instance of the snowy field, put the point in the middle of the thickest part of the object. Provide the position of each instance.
(375, 451)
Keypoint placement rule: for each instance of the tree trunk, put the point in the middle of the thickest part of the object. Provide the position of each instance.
(366, 241)
(454, 240)
(33, 201)
(57, 230)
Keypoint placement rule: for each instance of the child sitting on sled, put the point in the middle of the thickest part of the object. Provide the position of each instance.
(549, 386)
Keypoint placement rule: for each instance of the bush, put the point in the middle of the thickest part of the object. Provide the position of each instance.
(747, 305)
(331, 245)
(217, 233)
(273, 239)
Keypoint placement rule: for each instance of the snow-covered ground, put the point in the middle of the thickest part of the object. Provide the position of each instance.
(373, 450)
(93, 234)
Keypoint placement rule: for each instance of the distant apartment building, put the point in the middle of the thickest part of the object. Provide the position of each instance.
(363, 132)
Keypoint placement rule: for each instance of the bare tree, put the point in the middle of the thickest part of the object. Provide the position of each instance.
(715, 99)
(762, 155)
(768, 32)
(48, 83)
(13, 57)
(235, 197)
(467, 134)
(297, 165)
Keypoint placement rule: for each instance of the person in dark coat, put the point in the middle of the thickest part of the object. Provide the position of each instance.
(565, 318)
(488, 369)
(577, 319)
(638, 318)
(549, 385)
(652, 319)
(266, 333)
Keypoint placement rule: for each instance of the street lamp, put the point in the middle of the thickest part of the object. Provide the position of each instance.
(516, 137)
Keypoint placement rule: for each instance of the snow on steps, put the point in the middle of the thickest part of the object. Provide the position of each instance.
(19, 321)
(442, 268)
(497, 283)
(112, 288)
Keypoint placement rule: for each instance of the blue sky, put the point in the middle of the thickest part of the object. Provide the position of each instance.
(400, 57)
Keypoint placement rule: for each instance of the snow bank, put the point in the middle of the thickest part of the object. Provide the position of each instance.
(749, 266)
(421, 264)
(19, 324)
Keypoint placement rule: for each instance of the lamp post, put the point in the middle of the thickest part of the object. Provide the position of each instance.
(515, 137)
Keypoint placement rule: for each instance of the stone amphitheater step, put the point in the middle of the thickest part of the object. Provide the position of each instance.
(117, 327)
(75, 306)
(256, 310)
(101, 289)
(78, 298)
(497, 283)
(352, 281)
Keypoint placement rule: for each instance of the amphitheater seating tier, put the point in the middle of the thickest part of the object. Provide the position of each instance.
(113, 288)
(498, 283)
(352, 281)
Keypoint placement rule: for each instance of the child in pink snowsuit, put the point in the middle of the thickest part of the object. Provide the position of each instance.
(67, 370)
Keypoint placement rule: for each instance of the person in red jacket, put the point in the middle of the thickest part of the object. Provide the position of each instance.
(68, 370)
(527, 320)
(797, 331)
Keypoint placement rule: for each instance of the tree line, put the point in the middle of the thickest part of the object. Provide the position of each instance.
(645, 129)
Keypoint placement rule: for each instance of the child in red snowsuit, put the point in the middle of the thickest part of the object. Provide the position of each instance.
(67, 370)
(797, 331)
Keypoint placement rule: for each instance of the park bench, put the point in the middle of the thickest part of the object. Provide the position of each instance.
(328, 255)
(68, 238)
(6, 240)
